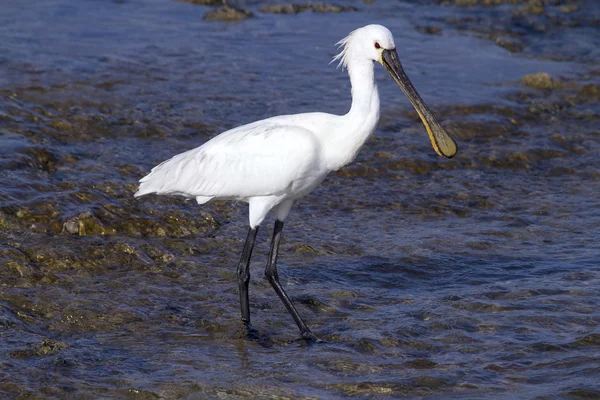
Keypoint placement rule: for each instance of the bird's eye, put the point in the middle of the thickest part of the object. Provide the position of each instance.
(377, 46)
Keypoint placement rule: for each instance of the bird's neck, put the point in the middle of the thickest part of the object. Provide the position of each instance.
(365, 98)
(360, 122)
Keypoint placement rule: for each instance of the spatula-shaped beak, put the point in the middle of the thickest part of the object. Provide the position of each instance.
(441, 141)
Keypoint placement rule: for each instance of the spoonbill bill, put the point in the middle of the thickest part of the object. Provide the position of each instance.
(270, 163)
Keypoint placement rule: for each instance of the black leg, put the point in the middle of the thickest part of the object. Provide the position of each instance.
(273, 277)
(243, 274)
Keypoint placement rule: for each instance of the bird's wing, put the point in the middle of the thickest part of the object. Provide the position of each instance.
(259, 159)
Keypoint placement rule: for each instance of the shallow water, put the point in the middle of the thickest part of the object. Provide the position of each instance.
(476, 277)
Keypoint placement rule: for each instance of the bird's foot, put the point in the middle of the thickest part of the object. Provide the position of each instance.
(311, 338)
(251, 333)
(246, 331)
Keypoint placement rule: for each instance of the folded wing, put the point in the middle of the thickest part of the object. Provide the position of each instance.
(260, 159)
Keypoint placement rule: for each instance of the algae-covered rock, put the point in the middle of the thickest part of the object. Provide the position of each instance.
(61, 125)
(298, 8)
(430, 29)
(540, 80)
(383, 154)
(35, 216)
(21, 268)
(355, 170)
(413, 164)
(315, 304)
(227, 13)
(83, 224)
(40, 158)
(47, 347)
(569, 8)
(420, 364)
(487, 3)
(590, 92)
(305, 249)
(203, 2)
(532, 7)
(511, 44)
(157, 254)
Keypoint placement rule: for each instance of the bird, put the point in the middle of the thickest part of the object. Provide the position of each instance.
(271, 163)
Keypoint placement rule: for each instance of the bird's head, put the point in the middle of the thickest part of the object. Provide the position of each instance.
(367, 42)
(376, 43)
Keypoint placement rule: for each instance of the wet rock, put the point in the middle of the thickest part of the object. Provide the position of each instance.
(315, 304)
(584, 393)
(365, 345)
(203, 2)
(152, 132)
(304, 249)
(591, 340)
(420, 364)
(4, 223)
(533, 7)
(125, 248)
(72, 226)
(348, 367)
(415, 165)
(345, 293)
(377, 389)
(432, 382)
(37, 217)
(41, 158)
(521, 20)
(47, 347)
(24, 270)
(511, 44)
(157, 254)
(298, 8)
(484, 131)
(430, 29)
(227, 13)
(179, 224)
(83, 224)
(569, 8)
(61, 125)
(383, 154)
(478, 306)
(354, 170)
(540, 80)
(488, 3)
(590, 91)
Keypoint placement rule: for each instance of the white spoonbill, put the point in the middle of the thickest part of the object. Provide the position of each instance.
(271, 163)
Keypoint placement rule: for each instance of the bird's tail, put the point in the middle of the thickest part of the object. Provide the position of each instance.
(158, 180)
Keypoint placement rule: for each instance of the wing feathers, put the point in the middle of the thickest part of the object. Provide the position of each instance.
(253, 160)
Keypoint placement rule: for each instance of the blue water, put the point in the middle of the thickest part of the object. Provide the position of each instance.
(477, 277)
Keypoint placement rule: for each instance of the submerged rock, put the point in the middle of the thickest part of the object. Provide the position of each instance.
(83, 224)
(40, 158)
(430, 29)
(540, 80)
(511, 44)
(532, 7)
(298, 8)
(227, 13)
(47, 347)
(203, 2)
(472, 3)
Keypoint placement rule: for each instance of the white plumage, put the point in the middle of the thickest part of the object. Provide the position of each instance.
(271, 163)
(263, 163)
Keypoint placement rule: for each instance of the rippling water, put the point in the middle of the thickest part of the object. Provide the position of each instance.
(476, 277)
